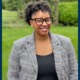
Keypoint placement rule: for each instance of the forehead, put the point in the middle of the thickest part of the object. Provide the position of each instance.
(41, 14)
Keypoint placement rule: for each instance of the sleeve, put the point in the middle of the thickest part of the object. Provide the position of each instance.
(14, 65)
(73, 65)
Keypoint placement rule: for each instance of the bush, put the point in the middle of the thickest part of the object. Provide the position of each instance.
(4, 4)
(11, 5)
(67, 0)
(68, 13)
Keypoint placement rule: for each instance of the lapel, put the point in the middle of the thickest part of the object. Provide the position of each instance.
(56, 45)
(56, 51)
(30, 46)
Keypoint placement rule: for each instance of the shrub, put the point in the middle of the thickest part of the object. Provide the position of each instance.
(68, 13)
(67, 0)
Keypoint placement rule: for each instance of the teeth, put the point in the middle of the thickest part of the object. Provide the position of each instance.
(44, 29)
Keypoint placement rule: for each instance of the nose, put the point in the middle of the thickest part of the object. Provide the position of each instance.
(44, 23)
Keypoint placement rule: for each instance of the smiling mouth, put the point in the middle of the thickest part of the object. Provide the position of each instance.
(44, 29)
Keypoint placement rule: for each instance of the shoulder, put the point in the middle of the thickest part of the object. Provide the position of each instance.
(19, 43)
(65, 41)
(63, 38)
(58, 37)
(21, 40)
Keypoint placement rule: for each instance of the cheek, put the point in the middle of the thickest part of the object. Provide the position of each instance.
(49, 25)
(36, 27)
(33, 25)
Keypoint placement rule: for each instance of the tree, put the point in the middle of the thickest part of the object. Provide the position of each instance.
(54, 6)
(56, 3)
(21, 6)
(12, 5)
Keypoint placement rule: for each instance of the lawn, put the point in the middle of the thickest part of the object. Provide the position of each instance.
(11, 19)
(9, 35)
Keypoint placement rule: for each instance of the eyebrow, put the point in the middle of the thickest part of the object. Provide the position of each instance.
(41, 18)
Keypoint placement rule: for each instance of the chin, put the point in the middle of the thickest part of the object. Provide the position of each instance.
(44, 34)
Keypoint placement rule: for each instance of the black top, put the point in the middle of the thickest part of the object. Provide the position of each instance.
(46, 67)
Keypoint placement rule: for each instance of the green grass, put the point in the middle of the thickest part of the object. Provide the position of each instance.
(11, 19)
(9, 35)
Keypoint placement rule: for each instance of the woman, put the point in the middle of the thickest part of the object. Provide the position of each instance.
(42, 55)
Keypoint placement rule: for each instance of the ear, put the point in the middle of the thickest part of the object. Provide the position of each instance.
(31, 22)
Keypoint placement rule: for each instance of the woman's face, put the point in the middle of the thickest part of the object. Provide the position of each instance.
(41, 22)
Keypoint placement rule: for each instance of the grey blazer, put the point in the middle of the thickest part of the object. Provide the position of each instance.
(23, 62)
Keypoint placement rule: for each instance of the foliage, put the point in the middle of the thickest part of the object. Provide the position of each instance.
(68, 13)
(12, 5)
(11, 19)
(4, 4)
(67, 0)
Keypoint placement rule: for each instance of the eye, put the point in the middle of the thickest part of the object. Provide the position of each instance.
(48, 19)
(39, 20)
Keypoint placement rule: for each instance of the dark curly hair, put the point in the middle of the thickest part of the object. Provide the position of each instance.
(32, 8)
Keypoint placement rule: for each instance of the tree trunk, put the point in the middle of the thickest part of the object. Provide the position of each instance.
(56, 2)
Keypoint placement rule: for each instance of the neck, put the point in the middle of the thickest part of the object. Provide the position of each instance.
(41, 38)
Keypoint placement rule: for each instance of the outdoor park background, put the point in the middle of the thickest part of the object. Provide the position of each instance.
(14, 27)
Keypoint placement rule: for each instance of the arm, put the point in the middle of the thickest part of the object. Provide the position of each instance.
(14, 66)
(73, 66)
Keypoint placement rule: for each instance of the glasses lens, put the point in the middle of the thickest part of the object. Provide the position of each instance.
(39, 21)
(49, 20)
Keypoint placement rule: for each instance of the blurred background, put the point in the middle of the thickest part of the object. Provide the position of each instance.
(64, 12)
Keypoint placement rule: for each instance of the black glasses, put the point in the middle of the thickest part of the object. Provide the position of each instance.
(39, 21)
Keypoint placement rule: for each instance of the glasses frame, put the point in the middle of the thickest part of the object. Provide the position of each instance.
(43, 20)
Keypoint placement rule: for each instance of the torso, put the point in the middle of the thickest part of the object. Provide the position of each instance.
(43, 47)
(46, 67)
